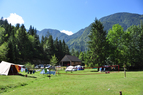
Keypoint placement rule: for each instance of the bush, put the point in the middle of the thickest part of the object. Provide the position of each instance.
(29, 66)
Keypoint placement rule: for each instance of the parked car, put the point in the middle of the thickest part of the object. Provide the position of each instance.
(47, 66)
(37, 66)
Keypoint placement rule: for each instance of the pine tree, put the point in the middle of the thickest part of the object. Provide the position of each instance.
(97, 43)
(67, 52)
(12, 47)
(73, 52)
(56, 45)
(23, 41)
(31, 30)
(60, 50)
(17, 26)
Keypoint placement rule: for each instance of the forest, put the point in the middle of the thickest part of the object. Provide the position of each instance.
(113, 47)
(20, 46)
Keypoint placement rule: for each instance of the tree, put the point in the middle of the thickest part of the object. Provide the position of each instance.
(88, 59)
(29, 66)
(73, 52)
(77, 54)
(60, 50)
(49, 48)
(56, 45)
(116, 37)
(17, 26)
(12, 46)
(81, 56)
(23, 43)
(2, 35)
(65, 49)
(135, 45)
(53, 60)
(3, 51)
(97, 43)
(31, 30)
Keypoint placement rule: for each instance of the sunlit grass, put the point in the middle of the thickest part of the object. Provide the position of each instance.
(68, 84)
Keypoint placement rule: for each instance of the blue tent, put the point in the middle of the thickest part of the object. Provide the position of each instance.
(48, 72)
(79, 67)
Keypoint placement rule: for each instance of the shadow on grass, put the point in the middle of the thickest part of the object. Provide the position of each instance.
(93, 71)
(27, 76)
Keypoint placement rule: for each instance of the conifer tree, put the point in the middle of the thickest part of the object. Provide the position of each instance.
(97, 43)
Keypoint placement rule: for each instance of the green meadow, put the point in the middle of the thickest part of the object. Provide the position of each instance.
(86, 82)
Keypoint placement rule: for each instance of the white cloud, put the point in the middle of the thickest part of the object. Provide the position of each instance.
(14, 19)
(66, 32)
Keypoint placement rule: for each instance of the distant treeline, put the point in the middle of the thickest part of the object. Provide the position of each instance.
(19, 46)
(115, 47)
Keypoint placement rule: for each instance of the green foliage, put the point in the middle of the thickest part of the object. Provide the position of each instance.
(97, 44)
(116, 39)
(73, 52)
(29, 66)
(19, 46)
(3, 51)
(54, 60)
(124, 19)
(81, 56)
(115, 35)
(126, 46)
(134, 45)
(119, 47)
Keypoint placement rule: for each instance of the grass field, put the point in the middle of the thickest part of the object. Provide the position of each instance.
(87, 82)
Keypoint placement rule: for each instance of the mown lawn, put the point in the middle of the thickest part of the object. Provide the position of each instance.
(75, 83)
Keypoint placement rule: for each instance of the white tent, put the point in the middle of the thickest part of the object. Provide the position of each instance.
(7, 68)
(71, 68)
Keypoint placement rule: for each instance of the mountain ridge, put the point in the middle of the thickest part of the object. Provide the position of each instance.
(79, 39)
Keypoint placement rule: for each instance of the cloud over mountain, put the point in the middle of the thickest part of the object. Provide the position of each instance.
(66, 32)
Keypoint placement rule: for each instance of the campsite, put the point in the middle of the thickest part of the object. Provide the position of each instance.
(83, 82)
(71, 47)
(69, 79)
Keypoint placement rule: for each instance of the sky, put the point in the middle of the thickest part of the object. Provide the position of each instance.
(67, 16)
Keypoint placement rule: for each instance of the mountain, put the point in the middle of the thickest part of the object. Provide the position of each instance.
(124, 19)
(79, 40)
(55, 34)
(80, 43)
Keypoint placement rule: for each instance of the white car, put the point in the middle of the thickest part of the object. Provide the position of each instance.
(42, 67)
(37, 66)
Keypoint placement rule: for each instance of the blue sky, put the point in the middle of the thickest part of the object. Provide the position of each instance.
(64, 15)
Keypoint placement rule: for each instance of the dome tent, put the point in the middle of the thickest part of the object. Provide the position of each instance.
(79, 67)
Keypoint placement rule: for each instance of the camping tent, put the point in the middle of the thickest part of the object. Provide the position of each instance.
(79, 67)
(71, 68)
(46, 71)
(7, 68)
